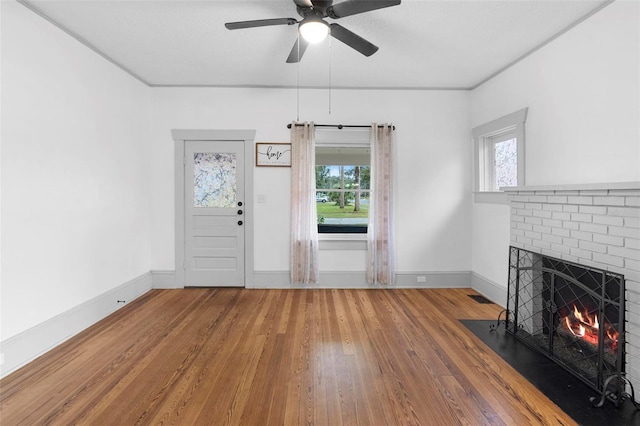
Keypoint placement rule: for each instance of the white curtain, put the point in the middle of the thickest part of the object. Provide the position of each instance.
(304, 217)
(380, 256)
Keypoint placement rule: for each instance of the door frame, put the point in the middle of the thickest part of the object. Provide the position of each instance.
(180, 137)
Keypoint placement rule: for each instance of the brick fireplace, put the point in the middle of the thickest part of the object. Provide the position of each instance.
(594, 225)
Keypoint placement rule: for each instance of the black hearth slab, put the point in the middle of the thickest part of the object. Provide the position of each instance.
(565, 390)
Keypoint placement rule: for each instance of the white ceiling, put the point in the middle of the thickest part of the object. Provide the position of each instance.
(423, 44)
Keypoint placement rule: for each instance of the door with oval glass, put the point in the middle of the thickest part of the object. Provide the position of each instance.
(214, 214)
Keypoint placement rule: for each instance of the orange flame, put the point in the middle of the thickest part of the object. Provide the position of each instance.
(587, 326)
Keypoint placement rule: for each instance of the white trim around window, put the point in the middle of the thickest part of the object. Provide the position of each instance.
(484, 139)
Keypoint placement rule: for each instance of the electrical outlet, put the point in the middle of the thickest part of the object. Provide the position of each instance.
(421, 279)
(262, 199)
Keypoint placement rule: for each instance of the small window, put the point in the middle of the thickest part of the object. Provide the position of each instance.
(343, 176)
(499, 153)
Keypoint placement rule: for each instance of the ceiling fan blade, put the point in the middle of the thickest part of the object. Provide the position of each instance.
(259, 23)
(353, 7)
(353, 40)
(297, 51)
(303, 3)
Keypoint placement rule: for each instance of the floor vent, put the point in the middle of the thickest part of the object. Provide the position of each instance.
(480, 299)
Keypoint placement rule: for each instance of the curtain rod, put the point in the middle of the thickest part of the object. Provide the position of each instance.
(339, 126)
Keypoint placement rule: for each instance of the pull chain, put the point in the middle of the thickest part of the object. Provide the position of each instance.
(330, 66)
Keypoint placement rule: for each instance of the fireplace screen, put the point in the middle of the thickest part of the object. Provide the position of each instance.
(573, 314)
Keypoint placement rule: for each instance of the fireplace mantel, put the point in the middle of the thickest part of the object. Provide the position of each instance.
(575, 187)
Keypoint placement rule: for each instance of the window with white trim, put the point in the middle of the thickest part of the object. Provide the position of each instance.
(499, 153)
(343, 171)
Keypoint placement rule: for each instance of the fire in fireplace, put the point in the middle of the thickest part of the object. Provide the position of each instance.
(574, 314)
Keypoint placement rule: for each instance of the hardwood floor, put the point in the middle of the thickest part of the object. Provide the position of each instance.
(285, 357)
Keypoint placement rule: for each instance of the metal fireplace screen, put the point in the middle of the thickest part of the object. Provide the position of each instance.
(573, 314)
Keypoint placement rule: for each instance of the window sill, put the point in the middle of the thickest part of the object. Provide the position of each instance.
(497, 197)
(343, 241)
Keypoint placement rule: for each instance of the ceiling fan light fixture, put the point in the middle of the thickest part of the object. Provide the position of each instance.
(314, 30)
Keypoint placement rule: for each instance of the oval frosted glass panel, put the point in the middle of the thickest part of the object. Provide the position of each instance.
(214, 179)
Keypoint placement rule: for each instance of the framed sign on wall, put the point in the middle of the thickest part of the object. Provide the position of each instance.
(273, 154)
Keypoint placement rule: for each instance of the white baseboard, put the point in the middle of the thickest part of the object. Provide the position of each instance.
(492, 291)
(280, 279)
(164, 279)
(30, 344)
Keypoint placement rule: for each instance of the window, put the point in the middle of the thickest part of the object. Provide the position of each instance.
(499, 153)
(343, 175)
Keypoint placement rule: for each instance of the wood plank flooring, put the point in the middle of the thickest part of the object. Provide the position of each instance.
(279, 357)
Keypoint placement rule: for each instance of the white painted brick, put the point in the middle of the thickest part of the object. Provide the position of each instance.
(545, 192)
(542, 213)
(533, 235)
(559, 248)
(580, 217)
(632, 265)
(560, 232)
(525, 226)
(624, 232)
(570, 242)
(625, 252)
(608, 259)
(624, 192)
(552, 239)
(538, 198)
(524, 240)
(594, 247)
(517, 218)
(561, 216)
(517, 232)
(608, 201)
(542, 244)
(557, 199)
(608, 220)
(570, 225)
(593, 228)
(542, 229)
(524, 212)
(632, 201)
(570, 208)
(580, 200)
(533, 206)
(584, 254)
(623, 211)
(632, 222)
(552, 207)
(517, 205)
(533, 220)
(609, 240)
(520, 198)
(581, 235)
(552, 223)
(569, 258)
(593, 209)
(632, 243)
(595, 192)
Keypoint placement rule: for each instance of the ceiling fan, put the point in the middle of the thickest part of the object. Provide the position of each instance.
(313, 28)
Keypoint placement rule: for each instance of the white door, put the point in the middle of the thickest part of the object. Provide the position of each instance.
(214, 214)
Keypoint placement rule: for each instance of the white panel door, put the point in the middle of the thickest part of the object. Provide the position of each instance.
(214, 214)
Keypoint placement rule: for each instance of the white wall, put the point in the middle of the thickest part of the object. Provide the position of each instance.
(75, 200)
(433, 220)
(582, 91)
